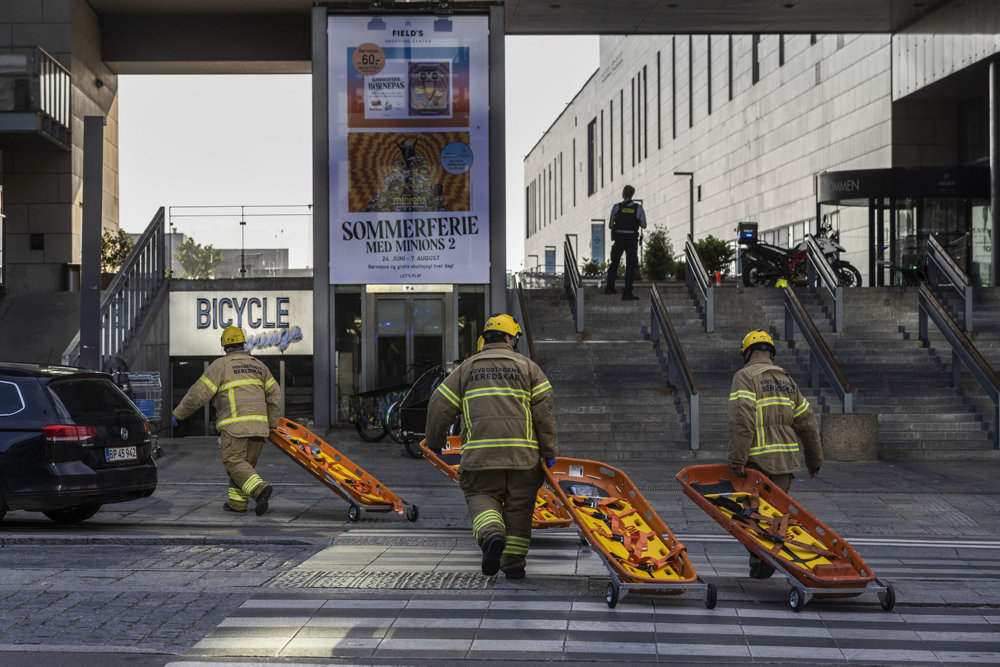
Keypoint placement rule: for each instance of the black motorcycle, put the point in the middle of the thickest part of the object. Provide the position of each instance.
(764, 264)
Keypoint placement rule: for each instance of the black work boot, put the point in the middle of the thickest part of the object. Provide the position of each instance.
(492, 551)
(514, 573)
(262, 499)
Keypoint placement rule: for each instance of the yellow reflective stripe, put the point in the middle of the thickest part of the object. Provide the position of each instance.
(504, 442)
(448, 394)
(516, 546)
(237, 495)
(736, 395)
(801, 409)
(208, 383)
(240, 383)
(270, 383)
(484, 519)
(244, 418)
(232, 404)
(768, 401)
(541, 388)
(496, 391)
(253, 481)
(768, 449)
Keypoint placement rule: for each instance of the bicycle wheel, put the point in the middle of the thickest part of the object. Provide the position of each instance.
(412, 446)
(370, 429)
(393, 424)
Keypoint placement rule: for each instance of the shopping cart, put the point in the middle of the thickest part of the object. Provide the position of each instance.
(147, 394)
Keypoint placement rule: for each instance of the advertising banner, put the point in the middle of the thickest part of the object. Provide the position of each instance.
(274, 322)
(409, 149)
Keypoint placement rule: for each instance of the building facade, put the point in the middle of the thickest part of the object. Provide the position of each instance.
(760, 126)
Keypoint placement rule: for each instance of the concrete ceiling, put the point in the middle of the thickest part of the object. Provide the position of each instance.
(584, 17)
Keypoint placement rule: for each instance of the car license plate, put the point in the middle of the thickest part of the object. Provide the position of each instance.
(115, 454)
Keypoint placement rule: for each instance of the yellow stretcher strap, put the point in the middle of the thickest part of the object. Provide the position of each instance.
(778, 530)
(635, 541)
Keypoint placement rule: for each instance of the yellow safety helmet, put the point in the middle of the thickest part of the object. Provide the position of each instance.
(233, 336)
(503, 323)
(479, 344)
(757, 340)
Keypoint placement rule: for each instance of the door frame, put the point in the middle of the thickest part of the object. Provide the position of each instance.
(371, 294)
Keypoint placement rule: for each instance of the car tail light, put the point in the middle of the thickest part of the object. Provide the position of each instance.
(65, 433)
(147, 428)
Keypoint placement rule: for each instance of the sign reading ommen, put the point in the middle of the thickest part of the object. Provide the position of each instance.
(409, 158)
(274, 322)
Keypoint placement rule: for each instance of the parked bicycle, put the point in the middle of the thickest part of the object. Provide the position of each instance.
(405, 419)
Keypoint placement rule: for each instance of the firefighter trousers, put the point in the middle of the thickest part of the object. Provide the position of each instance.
(239, 456)
(502, 502)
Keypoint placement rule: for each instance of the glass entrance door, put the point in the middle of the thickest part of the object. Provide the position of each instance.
(411, 334)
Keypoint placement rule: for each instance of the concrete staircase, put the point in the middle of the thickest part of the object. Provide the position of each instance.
(613, 400)
(908, 385)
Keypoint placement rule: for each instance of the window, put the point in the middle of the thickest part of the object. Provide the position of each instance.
(659, 109)
(11, 401)
(602, 148)
(592, 157)
(645, 113)
(673, 87)
(755, 41)
(730, 68)
(708, 75)
(611, 138)
(690, 81)
(621, 129)
(94, 401)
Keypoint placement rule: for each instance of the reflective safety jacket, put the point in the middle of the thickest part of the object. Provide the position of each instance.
(767, 418)
(506, 405)
(247, 397)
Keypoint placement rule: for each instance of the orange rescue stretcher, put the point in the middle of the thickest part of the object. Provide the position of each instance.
(345, 478)
(549, 512)
(640, 552)
(774, 527)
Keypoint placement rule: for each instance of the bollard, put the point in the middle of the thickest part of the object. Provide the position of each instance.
(718, 277)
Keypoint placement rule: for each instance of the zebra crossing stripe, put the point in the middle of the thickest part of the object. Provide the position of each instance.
(506, 626)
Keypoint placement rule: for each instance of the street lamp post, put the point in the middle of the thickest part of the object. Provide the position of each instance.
(690, 175)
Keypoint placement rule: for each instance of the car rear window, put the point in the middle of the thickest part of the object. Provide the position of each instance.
(94, 401)
(11, 400)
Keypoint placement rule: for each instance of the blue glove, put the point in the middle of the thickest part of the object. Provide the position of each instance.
(173, 420)
(550, 462)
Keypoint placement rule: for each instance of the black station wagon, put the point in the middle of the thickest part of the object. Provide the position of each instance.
(70, 442)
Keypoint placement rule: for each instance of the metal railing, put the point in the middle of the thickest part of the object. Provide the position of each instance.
(661, 332)
(125, 300)
(818, 266)
(573, 282)
(240, 241)
(696, 277)
(520, 308)
(963, 352)
(35, 82)
(940, 263)
(820, 357)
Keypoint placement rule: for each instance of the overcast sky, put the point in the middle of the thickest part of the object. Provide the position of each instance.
(203, 140)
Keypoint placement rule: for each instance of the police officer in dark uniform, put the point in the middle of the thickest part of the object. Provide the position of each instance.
(627, 218)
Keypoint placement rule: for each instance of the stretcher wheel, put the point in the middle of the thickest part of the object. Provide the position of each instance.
(412, 513)
(887, 598)
(611, 595)
(711, 596)
(354, 513)
(796, 598)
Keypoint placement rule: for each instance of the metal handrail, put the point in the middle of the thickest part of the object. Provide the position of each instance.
(963, 352)
(820, 357)
(938, 260)
(661, 328)
(696, 276)
(522, 307)
(573, 281)
(818, 265)
(125, 300)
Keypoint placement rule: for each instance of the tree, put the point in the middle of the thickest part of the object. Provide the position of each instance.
(115, 249)
(658, 261)
(197, 261)
(715, 254)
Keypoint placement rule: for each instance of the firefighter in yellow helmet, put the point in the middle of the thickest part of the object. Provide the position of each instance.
(508, 432)
(768, 416)
(247, 405)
